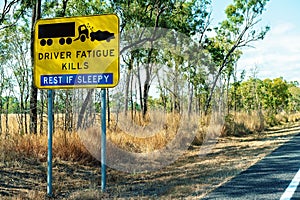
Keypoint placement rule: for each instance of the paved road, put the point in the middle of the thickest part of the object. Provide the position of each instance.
(268, 179)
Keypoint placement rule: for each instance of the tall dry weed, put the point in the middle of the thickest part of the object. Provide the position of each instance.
(66, 146)
(294, 117)
(143, 136)
(241, 123)
(72, 146)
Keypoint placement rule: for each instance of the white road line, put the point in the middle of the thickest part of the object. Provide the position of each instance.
(289, 191)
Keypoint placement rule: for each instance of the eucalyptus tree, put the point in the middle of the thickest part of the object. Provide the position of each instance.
(294, 101)
(246, 93)
(142, 23)
(4, 83)
(235, 96)
(12, 11)
(271, 96)
(18, 46)
(145, 16)
(237, 31)
(173, 78)
(275, 95)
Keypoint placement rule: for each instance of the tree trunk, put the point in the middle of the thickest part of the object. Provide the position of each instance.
(36, 14)
(176, 94)
(208, 101)
(190, 100)
(147, 83)
(145, 99)
(227, 94)
(131, 97)
(140, 86)
(6, 119)
(83, 108)
(128, 76)
(163, 95)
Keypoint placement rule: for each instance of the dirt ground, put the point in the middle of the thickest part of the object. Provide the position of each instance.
(190, 177)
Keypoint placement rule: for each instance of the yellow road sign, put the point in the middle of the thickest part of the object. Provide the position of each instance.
(77, 52)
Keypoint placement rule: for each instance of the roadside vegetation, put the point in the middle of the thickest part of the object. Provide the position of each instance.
(187, 70)
(77, 174)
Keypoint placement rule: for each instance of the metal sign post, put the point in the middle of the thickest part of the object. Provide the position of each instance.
(103, 140)
(50, 133)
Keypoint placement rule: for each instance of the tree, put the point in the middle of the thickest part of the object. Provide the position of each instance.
(235, 100)
(142, 22)
(36, 14)
(275, 95)
(18, 67)
(294, 101)
(17, 7)
(238, 30)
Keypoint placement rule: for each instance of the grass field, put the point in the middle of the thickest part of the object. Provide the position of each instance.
(23, 166)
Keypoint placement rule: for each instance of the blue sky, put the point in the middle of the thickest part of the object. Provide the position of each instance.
(278, 55)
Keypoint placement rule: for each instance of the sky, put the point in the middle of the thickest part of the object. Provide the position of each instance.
(278, 55)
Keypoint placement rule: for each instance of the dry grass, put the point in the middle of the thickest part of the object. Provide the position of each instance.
(294, 117)
(66, 146)
(12, 124)
(190, 177)
(144, 138)
(240, 124)
(76, 172)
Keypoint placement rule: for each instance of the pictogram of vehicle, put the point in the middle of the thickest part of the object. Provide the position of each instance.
(102, 35)
(83, 33)
(64, 31)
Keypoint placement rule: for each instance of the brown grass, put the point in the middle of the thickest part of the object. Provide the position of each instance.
(65, 146)
(295, 117)
(146, 137)
(190, 176)
(68, 146)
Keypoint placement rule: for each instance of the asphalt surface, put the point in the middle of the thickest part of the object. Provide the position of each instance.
(267, 179)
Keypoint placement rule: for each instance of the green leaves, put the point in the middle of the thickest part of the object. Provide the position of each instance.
(238, 30)
(274, 96)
